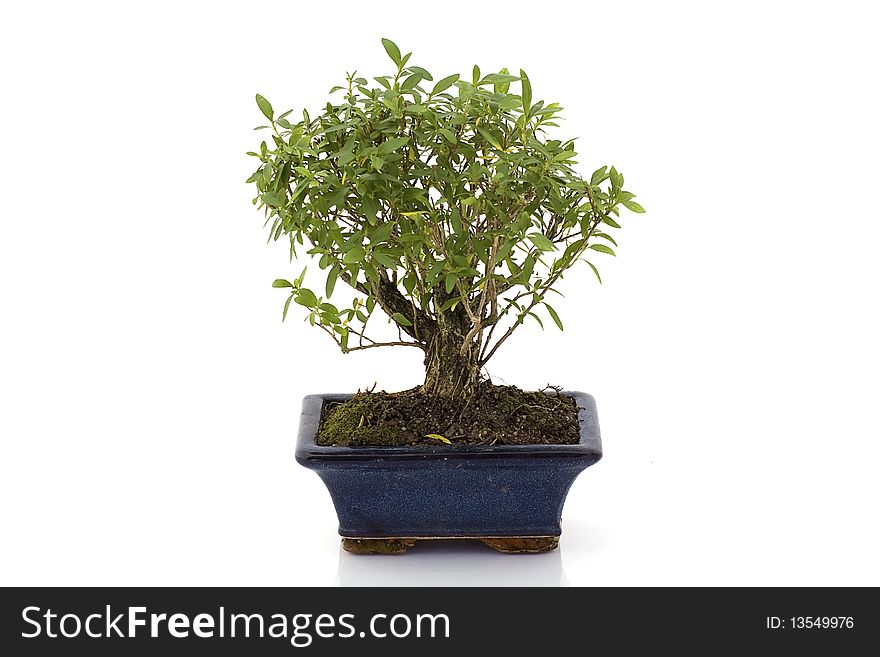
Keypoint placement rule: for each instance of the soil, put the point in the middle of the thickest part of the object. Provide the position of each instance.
(494, 415)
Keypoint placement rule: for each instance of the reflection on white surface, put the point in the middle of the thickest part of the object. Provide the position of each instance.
(451, 563)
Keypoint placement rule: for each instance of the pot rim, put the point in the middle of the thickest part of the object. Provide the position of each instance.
(309, 452)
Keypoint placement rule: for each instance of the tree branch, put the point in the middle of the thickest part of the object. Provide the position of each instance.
(539, 293)
(392, 301)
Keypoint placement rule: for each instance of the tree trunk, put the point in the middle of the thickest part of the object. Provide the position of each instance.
(450, 371)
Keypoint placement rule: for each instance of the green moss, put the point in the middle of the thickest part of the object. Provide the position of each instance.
(358, 422)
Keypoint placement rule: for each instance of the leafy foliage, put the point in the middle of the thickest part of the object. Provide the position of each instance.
(443, 203)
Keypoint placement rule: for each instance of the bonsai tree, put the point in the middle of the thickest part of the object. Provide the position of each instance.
(445, 204)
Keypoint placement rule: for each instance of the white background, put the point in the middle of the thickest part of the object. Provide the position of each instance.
(150, 393)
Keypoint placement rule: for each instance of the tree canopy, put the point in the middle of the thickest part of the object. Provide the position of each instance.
(443, 203)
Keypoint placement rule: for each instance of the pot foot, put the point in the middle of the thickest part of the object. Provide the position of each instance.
(506, 544)
(377, 545)
(522, 544)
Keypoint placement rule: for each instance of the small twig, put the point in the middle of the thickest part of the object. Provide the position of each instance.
(395, 343)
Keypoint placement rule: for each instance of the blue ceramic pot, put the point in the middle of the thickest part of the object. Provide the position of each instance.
(448, 491)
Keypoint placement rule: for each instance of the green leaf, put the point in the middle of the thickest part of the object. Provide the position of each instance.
(384, 259)
(392, 145)
(422, 72)
(273, 199)
(606, 236)
(370, 208)
(632, 205)
(502, 87)
(541, 242)
(409, 283)
(528, 267)
(354, 255)
(598, 176)
(444, 84)
(451, 280)
(280, 282)
(383, 232)
(400, 319)
(265, 107)
(610, 222)
(411, 82)
(488, 136)
(448, 135)
(615, 178)
(437, 436)
(601, 248)
(286, 307)
(450, 303)
(332, 275)
(494, 78)
(306, 298)
(595, 271)
(526, 92)
(329, 316)
(554, 316)
(392, 50)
